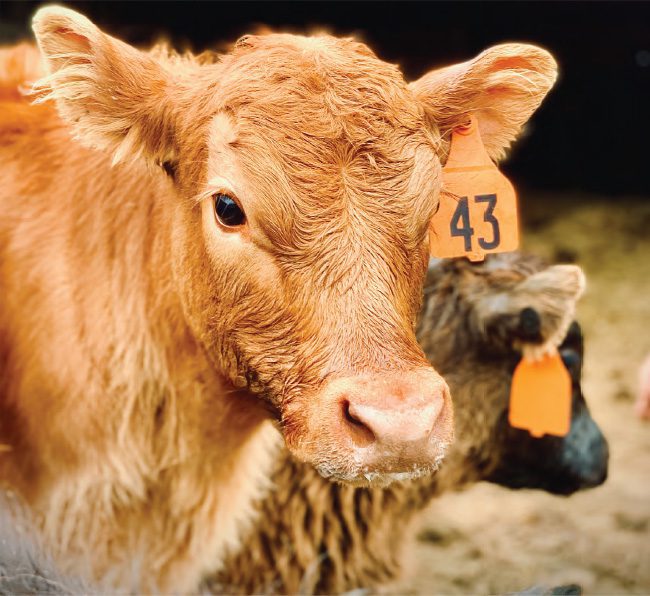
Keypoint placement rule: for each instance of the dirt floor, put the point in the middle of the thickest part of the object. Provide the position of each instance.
(492, 540)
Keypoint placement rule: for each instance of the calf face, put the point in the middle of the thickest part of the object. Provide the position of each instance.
(303, 175)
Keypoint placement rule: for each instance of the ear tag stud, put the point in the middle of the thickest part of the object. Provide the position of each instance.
(540, 397)
(477, 213)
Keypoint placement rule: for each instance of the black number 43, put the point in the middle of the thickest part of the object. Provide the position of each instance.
(460, 224)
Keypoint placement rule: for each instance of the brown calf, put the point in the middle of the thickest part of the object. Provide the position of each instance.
(152, 317)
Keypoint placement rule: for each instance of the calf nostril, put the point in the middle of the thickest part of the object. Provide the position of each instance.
(361, 434)
(348, 415)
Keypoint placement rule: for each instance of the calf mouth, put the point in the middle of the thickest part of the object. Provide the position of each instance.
(358, 468)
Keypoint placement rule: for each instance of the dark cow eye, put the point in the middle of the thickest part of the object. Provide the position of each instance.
(227, 210)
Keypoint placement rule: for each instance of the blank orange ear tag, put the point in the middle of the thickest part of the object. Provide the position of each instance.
(478, 205)
(540, 397)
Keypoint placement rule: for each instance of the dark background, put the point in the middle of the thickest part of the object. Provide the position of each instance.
(591, 134)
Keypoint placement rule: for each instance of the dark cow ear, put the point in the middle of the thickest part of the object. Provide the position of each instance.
(115, 97)
(502, 87)
(536, 313)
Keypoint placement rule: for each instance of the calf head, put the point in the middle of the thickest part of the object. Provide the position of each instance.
(510, 304)
(303, 173)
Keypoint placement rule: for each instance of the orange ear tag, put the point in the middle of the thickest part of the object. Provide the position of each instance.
(477, 213)
(540, 397)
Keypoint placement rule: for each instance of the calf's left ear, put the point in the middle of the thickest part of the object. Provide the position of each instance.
(502, 87)
(115, 97)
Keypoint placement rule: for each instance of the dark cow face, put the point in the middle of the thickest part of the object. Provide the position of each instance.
(559, 465)
(476, 321)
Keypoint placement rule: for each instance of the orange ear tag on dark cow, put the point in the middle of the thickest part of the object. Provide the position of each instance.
(477, 213)
(540, 397)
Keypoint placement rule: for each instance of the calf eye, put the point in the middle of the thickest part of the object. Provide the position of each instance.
(228, 212)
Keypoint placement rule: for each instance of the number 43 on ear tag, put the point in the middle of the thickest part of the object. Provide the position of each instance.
(477, 213)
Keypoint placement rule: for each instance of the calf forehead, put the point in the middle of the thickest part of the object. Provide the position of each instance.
(321, 126)
(330, 90)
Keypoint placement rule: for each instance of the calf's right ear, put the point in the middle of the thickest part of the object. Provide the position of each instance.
(115, 97)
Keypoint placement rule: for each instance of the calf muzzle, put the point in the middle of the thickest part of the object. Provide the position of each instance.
(393, 425)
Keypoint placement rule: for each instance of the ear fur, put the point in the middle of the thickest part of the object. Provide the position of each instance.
(552, 293)
(502, 86)
(115, 97)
